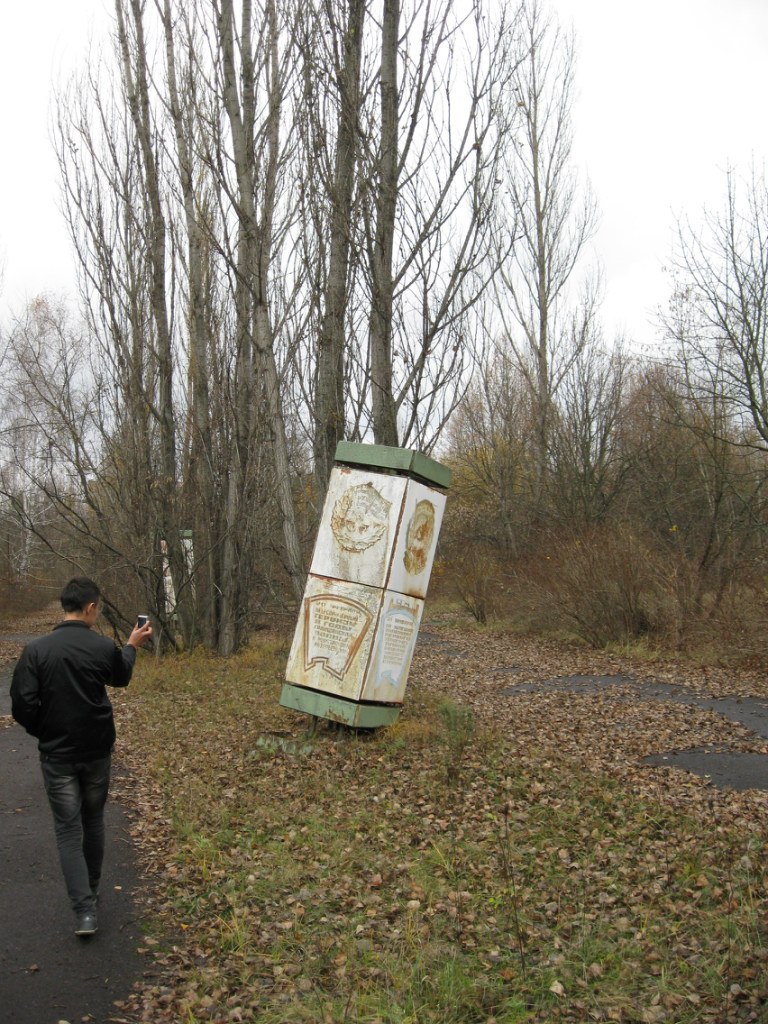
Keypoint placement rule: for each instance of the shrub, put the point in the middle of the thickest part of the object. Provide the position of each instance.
(607, 585)
(477, 580)
(459, 724)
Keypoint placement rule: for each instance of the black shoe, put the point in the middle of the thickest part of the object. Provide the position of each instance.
(86, 924)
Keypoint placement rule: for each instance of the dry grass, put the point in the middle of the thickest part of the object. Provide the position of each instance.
(530, 872)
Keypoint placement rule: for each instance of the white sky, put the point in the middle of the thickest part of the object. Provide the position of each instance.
(670, 93)
(41, 42)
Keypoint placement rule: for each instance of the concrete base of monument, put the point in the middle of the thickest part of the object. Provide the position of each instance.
(338, 709)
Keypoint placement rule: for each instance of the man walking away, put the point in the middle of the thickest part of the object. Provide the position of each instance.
(59, 695)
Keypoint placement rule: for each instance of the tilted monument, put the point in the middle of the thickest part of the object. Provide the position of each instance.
(364, 597)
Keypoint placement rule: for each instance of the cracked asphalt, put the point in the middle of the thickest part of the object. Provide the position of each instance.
(723, 767)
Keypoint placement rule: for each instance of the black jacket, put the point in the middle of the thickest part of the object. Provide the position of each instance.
(59, 695)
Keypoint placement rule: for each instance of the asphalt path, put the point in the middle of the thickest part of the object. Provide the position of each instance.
(47, 974)
(724, 768)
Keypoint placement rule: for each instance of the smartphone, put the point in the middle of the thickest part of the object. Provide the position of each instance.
(142, 620)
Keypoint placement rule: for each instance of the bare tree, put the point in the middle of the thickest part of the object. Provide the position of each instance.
(136, 77)
(332, 38)
(430, 182)
(690, 486)
(66, 487)
(398, 167)
(199, 472)
(116, 203)
(719, 312)
(255, 287)
(173, 180)
(588, 466)
(488, 444)
(542, 327)
(382, 243)
(253, 112)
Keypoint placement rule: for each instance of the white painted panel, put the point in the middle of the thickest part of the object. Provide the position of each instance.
(333, 637)
(393, 645)
(417, 540)
(359, 526)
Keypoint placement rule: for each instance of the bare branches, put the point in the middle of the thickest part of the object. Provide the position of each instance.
(552, 220)
(718, 317)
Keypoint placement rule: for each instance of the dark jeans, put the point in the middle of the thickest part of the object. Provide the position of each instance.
(77, 794)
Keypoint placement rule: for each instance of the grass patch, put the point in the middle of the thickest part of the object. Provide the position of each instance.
(432, 872)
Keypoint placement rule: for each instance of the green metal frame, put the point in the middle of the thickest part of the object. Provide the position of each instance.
(400, 460)
(337, 709)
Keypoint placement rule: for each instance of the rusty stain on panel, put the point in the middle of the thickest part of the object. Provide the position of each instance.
(340, 619)
(359, 527)
(414, 552)
(392, 650)
(333, 636)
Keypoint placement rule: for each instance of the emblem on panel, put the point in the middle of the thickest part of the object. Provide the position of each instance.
(334, 629)
(360, 518)
(421, 531)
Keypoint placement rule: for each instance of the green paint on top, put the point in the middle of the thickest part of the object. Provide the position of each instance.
(399, 460)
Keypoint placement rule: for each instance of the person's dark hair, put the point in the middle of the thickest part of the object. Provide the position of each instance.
(78, 594)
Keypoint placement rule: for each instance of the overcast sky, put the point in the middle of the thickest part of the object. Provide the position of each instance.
(669, 93)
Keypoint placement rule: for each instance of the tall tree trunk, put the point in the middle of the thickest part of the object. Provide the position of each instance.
(255, 340)
(263, 327)
(241, 127)
(553, 224)
(137, 89)
(382, 398)
(200, 488)
(329, 400)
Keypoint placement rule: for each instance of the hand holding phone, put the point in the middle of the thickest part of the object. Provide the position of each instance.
(141, 632)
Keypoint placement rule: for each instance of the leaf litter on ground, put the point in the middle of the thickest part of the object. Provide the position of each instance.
(548, 875)
(530, 869)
